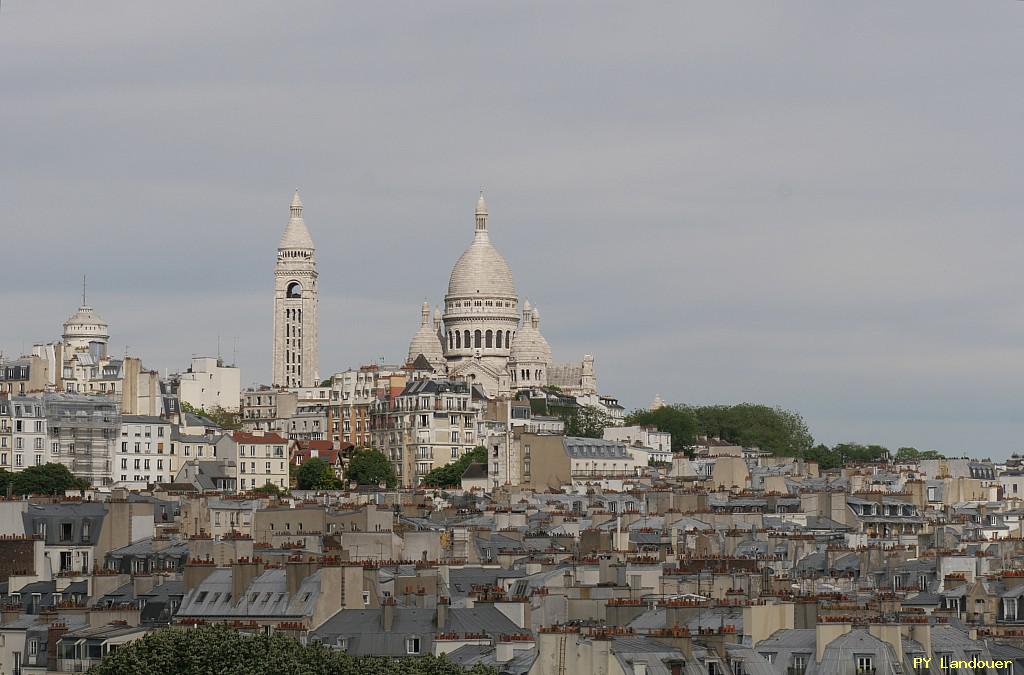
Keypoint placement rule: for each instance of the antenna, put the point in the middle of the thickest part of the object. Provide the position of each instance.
(234, 353)
(83, 290)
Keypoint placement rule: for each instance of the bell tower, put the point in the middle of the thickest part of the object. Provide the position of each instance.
(296, 321)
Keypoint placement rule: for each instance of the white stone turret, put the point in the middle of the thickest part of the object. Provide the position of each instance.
(296, 307)
(426, 342)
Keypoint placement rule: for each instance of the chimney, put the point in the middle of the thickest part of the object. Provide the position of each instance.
(388, 614)
(296, 571)
(196, 572)
(142, 583)
(442, 613)
(503, 651)
(54, 633)
(243, 571)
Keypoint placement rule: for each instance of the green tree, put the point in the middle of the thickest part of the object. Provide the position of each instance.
(269, 489)
(858, 453)
(316, 474)
(587, 421)
(225, 419)
(450, 475)
(6, 478)
(823, 455)
(371, 467)
(46, 479)
(679, 421)
(913, 454)
(772, 429)
(221, 650)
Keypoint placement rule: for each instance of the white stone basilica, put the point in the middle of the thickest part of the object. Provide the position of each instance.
(479, 337)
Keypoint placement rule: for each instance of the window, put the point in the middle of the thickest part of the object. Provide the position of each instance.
(800, 662)
(366, 598)
(865, 664)
(455, 453)
(412, 645)
(65, 531)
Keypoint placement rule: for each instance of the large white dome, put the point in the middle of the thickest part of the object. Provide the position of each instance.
(481, 271)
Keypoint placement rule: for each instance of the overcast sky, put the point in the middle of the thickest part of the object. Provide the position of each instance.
(811, 204)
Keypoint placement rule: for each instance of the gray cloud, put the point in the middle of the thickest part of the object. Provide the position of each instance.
(815, 205)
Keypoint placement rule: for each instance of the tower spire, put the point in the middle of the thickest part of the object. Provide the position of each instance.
(481, 213)
(296, 205)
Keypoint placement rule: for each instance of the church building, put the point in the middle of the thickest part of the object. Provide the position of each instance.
(484, 336)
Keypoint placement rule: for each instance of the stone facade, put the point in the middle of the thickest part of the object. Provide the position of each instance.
(296, 324)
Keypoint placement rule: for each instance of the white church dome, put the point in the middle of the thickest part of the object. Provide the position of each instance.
(528, 345)
(426, 341)
(481, 271)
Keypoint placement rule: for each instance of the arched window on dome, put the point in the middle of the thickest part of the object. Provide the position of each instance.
(466, 340)
(458, 340)
(451, 340)
(497, 339)
(477, 339)
(489, 339)
(294, 290)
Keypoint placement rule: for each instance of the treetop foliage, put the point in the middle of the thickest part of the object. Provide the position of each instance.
(225, 419)
(44, 479)
(772, 429)
(450, 475)
(221, 650)
(370, 467)
(316, 474)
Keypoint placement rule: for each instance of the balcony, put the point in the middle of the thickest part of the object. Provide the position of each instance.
(602, 473)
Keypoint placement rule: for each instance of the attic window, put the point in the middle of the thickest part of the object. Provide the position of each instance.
(412, 645)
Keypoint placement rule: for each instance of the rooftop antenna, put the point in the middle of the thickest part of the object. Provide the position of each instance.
(218, 346)
(234, 353)
(83, 290)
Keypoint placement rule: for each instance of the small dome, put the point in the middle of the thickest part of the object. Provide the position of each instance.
(426, 341)
(295, 233)
(86, 321)
(528, 345)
